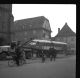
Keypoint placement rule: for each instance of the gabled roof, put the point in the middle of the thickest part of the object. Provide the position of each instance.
(30, 23)
(65, 32)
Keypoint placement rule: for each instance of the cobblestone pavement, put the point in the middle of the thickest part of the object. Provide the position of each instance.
(61, 68)
(4, 64)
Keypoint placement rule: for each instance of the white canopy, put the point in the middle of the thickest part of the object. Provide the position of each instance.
(48, 41)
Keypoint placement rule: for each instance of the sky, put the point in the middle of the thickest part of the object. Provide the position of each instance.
(57, 14)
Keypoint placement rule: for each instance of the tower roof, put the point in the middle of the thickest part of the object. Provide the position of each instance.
(66, 31)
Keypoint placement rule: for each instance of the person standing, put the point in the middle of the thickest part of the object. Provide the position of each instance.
(54, 53)
(18, 53)
(43, 57)
(51, 53)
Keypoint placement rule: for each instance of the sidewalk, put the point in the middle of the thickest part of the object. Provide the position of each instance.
(36, 60)
(63, 56)
(61, 68)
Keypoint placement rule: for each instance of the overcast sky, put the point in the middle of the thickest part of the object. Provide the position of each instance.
(57, 14)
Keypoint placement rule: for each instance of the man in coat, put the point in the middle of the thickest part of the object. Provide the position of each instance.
(52, 53)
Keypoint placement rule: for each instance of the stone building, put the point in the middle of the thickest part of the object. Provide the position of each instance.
(66, 35)
(37, 27)
(6, 20)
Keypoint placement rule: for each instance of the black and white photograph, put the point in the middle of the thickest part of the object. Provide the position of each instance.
(37, 40)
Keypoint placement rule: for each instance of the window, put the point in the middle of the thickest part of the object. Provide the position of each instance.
(25, 33)
(72, 39)
(23, 27)
(25, 38)
(34, 32)
(30, 25)
(47, 25)
(46, 36)
(72, 45)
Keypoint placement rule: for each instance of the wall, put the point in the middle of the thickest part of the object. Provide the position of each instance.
(39, 33)
(5, 22)
(25, 35)
(70, 40)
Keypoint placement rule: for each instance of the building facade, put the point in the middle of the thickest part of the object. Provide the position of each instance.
(37, 27)
(6, 20)
(66, 35)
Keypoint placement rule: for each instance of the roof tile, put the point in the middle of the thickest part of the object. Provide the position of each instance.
(30, 23)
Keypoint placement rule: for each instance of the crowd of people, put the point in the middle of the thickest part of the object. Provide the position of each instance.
(52, 54)
(20, 54)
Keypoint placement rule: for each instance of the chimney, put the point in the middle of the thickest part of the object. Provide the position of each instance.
(58, 30)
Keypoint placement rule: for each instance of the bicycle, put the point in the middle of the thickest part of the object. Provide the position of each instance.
(12, 62)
